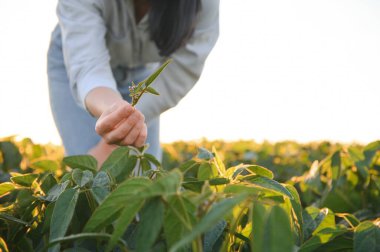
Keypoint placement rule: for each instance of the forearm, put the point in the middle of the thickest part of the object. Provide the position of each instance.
(101, 98)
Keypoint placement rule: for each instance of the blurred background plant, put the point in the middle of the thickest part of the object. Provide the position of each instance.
(328, 201)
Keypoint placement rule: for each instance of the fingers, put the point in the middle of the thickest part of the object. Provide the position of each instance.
(132, 136)
(126, 127)
(122, 124)
(142, 137)
(112, 117)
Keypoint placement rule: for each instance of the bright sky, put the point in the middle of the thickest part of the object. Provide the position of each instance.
(302, 70)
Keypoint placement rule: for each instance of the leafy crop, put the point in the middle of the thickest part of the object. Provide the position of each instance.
(201, 205)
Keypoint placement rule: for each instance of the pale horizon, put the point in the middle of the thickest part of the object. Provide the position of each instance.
(281, 70)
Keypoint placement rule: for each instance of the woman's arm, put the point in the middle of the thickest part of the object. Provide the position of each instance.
(91, 80)
(100, 99)
(85, 53)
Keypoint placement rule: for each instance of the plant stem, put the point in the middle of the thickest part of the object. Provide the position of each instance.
(90, 200)
(135, 101)
(199, 244)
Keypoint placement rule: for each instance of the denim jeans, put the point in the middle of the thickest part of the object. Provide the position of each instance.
(75, 125)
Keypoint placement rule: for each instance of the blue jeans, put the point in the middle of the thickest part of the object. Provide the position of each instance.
(75, 125)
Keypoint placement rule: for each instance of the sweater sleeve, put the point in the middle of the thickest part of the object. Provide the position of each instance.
(186, 66)
(84, 47)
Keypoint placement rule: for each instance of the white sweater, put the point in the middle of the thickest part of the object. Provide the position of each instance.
(98, 35)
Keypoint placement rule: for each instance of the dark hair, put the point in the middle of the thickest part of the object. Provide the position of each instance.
(171, 23)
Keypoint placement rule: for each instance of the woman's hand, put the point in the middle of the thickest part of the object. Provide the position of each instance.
(122, 124)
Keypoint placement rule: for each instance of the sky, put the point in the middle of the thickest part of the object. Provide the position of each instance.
(304, 70)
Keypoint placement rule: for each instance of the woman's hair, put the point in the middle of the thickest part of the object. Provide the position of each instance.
(171, 23)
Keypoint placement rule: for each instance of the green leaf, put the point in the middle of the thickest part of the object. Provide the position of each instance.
(344, 199)
(176, 221)
(349, 218)
(367, 237)
(132, 189)
(83, 162)
(11, 156)
(219, 181)
(45, 165)
(271, 225)
(324, 219)
(65, 177)
(145, 165)
(189, 165)
(25, 244)
(48, 182)
(374, 146)
(25, 179)
(152, 91)
(271, 184)
(211, 237)
(260, 214)
(216, 214)
(119, 163)
(152, 216)
(100, 186)
(82, 178)
(56, 191)
(153, 76)
(109, 210)
(47, 217)
(3, 245)
(297, 209)
(259, 170)
(152, 159)
(218, 162)
(309, 223)
(245, 188)
(6, 188)
(128, 169)
(13, 219)
(167, 185)
(340, 243)
(193, 184)
(335, 167)
(322, 237)
(252, 189)
(363, 169)
(317, 219)
(355, 154)
(25, 199)
(204, 154)
(62, 215)
(206, 171)
(370, 151)
(127, 215)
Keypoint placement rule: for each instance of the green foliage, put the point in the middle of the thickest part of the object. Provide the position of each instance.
(367, 236)
(271, 224)
(6, 187)
(83, 162)
(62, 215)
(136, 204)
(11, 157)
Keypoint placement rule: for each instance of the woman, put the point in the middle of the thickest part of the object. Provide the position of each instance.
(100, 46)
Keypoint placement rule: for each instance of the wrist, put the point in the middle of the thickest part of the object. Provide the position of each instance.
(101, 98)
